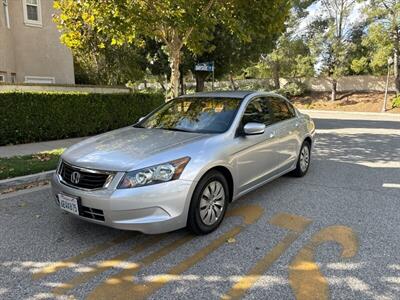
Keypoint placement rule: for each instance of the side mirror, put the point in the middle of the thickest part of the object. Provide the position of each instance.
(253, 128)
(141, 119)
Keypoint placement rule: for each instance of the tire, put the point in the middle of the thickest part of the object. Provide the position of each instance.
(304, 154)
(206, 215)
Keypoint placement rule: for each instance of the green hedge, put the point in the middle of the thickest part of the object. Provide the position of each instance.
(27, 117)
(396, 102)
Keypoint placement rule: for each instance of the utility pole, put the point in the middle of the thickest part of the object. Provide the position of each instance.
(213, 77)
(390, 61)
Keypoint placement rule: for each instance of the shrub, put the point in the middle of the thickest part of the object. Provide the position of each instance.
(31, 116)
(293, 89)
(396, 102)
(255, 86)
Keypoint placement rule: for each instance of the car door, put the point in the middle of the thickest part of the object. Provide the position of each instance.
(255, 155)
(286, 124)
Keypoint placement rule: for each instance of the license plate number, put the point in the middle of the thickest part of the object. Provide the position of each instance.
(68, 203)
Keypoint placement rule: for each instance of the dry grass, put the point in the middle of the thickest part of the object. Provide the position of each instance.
(357, 102)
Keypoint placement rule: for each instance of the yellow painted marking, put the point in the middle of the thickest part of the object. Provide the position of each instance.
(305, 278)
(71, 262)
(105, 265)
(296, 225)
(290, 222)
(122, 286)
(113, 285)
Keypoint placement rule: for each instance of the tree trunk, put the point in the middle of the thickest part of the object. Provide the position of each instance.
(334, 87)
(200, 80)
(276, 75)
(233, 85)
(181, 83)
(174, 62)
(161, 82)
(396, 72)
(173, 50)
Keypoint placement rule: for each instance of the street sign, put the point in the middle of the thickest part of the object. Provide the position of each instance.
(205, 67)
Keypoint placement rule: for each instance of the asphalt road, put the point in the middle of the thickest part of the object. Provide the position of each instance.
(332, 234)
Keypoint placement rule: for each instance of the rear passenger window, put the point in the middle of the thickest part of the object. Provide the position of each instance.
(281, 110)
(257, 111)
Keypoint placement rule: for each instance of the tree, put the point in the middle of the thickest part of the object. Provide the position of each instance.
(384, 35)
(359, 52)
(229, 54)
(173, 23)
(291, 56)
(330, 38)
(109, 65)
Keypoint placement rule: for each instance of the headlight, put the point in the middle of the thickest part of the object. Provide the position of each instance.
(156, 174)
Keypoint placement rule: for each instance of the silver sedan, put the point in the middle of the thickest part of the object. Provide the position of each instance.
(183, 164)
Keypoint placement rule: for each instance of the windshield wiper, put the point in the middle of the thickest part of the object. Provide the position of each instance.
(175, 129)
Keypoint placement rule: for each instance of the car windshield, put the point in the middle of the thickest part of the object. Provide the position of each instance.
(200, 115)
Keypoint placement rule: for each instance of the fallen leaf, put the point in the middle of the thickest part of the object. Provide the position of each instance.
(23, 204)
(231, 240)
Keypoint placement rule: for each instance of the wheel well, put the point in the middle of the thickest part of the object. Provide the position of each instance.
(227, 174)
(308, 139)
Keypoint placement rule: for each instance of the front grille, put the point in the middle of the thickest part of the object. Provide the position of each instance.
(91, 213)
(88, 179)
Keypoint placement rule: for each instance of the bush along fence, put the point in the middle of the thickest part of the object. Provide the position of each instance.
(27, 117)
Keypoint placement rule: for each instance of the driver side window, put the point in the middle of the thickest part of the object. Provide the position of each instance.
(257, 111)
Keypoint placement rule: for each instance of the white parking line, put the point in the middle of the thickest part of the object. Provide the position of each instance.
(391, 185)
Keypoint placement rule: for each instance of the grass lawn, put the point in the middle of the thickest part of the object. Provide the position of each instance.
(29, 164)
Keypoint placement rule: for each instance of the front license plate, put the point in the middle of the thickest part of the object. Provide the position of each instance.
(69, 203)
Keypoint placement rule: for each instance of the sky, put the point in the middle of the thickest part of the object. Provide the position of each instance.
(315, 11)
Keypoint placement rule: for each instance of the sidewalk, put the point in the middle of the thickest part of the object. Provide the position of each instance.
(26, 149)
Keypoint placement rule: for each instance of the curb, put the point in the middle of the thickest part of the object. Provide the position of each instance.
(23, 180)
(341, 115)
(381, 114)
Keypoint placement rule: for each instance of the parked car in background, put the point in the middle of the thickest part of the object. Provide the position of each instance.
(185, 162)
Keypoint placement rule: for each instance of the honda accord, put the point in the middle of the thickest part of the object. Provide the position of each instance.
(185, 162)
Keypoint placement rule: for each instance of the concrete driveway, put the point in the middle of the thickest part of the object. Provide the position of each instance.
(332, 234)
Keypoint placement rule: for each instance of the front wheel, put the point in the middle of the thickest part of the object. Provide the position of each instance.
(209, 202)
(303, 162)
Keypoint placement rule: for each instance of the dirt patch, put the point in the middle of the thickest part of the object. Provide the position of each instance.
(357, 102)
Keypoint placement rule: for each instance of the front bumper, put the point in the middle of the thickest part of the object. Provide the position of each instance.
(150, 209)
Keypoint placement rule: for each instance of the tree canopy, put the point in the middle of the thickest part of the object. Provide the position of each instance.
(175, 24)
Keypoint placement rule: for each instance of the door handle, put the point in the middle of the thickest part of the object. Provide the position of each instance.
(272, 135)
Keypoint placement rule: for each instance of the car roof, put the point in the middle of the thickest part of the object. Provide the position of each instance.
(227, 94)
(220, 94)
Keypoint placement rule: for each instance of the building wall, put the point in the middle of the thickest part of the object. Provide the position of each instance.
(7, 58)
(34, 51)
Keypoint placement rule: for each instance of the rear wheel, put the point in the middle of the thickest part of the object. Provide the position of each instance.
(209, 202)
(303, 162)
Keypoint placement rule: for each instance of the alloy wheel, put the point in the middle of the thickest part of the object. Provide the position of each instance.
(304, 158)
(212, 203)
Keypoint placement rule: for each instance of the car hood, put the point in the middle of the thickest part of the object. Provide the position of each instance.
(123, 149)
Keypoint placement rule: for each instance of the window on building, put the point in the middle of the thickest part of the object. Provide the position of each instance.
(3, 76)
(32, 12)
(6, 14)
(13, 78)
